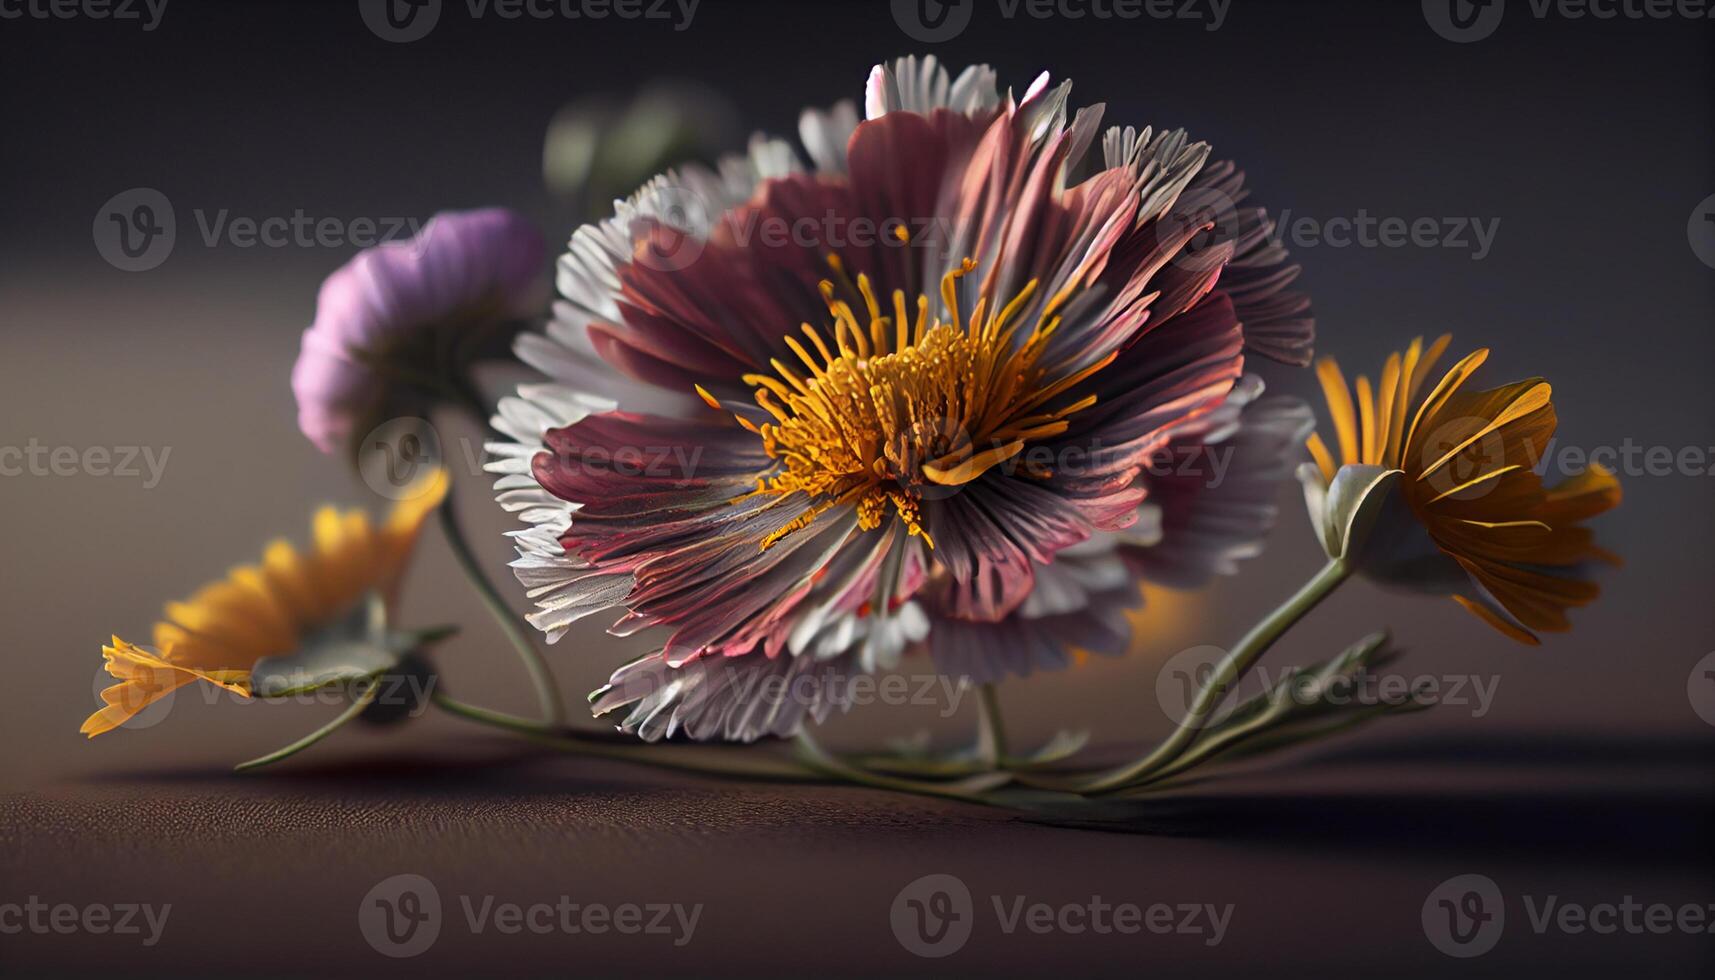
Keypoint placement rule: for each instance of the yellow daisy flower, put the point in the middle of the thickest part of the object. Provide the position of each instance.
(276, 612)
(1464, 512)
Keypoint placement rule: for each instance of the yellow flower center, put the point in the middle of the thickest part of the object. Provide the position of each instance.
(898, 404)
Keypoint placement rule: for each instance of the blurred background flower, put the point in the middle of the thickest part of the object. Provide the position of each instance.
(601, 148)
(398, 327)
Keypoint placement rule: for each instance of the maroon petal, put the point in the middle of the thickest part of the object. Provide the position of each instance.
(1213, 489)
(1278, 322)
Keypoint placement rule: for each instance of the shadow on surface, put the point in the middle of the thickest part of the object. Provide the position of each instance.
(1630, 802)
(1623, 801)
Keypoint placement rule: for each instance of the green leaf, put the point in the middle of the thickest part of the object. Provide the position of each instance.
(1302, 706)
(355, 648)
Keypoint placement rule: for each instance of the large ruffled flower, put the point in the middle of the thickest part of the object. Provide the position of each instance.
(1440, 494)
(898, 389)
(1210, 500)
(292, 622)
(395, 325)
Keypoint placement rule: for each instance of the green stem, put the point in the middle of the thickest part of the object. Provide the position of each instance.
(1241, 658)
(991, 731)
(362, 701)
(811, 754)
(494, 719)
(1207, 749)
(729, 762)
(547, 691)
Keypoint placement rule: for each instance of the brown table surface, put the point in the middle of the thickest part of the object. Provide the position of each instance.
(1327, 860)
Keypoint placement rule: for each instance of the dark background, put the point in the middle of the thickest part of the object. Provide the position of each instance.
(1589, 141)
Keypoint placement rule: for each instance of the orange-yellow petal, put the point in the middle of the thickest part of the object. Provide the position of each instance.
(1339, 407)
(145, 678)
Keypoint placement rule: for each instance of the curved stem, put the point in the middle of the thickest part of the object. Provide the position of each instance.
(1206, 750)
(493, 719)
(547, 691)
(707, 760)
(991, 731)
(362, 701)
(811, 753)
(1239, 660)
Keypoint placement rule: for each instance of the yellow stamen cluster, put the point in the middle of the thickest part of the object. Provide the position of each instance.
(899, 403)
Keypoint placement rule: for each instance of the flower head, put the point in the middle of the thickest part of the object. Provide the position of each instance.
(1437, 491)
(885, 390)
(394, 325)
(1210, 500)
(292, 622)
